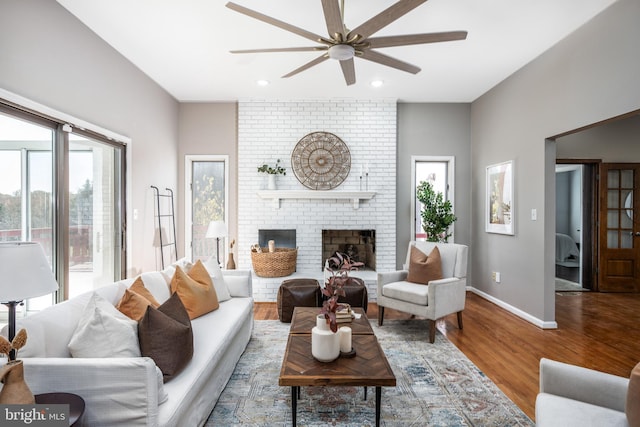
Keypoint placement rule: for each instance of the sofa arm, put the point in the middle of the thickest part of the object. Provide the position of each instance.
(586, 385)
(238, 282)
(116, 391)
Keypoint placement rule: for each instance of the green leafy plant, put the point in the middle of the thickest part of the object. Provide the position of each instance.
(273, 170)
(436, 213)
(339, 265)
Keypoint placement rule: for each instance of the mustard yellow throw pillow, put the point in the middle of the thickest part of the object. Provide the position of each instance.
(195, 290)
(135, 300)
(424, 268)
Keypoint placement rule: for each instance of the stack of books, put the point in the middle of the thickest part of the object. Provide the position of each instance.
(345, 315)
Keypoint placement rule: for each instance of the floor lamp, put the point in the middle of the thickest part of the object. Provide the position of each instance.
(24, 273)
(217, 230)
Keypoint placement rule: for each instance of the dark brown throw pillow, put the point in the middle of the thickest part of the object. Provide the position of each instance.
(424, 268)
(165, 335)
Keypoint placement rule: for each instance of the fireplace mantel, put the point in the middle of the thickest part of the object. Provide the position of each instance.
(354, 196)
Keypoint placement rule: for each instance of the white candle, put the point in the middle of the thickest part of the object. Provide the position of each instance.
(345, 339)
(366, 169)
(361, 170)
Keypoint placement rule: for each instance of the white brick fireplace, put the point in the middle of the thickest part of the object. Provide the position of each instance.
(269, 130)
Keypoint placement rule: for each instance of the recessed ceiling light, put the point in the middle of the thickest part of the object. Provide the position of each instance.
(377, 83)
(262, 82)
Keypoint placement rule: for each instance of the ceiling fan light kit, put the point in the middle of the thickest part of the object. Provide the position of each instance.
(342, 44)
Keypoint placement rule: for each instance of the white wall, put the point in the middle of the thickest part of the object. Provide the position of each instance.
(270, 130)
(590, 76)
(48, 56)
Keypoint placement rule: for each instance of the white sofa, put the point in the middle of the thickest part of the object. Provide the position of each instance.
(129, 391)
(575, 396)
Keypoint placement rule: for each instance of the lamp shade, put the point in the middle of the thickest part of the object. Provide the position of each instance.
(216, 229)
(24, 272)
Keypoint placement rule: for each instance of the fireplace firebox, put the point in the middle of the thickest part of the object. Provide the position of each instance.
(360, 245)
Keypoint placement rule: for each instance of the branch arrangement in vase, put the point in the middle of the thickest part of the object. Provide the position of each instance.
(339, 265)
(276, 169)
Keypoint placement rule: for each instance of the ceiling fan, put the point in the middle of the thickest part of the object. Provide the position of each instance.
(343, 44)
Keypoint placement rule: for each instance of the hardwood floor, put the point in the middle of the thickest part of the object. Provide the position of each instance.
(595, 330)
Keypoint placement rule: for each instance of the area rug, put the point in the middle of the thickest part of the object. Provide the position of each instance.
(563, 285)
(437, 385)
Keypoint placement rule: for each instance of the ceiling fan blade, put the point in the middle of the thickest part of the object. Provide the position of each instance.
(333, 17)
(372, 55)
(306, 66)
(386, 17)
(349, 71)
(409, 39)
(281, 49)
(275, 22)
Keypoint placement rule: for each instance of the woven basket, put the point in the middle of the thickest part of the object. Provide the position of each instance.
(280, 263)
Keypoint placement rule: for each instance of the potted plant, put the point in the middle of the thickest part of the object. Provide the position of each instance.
(436, 213)
(272, 172)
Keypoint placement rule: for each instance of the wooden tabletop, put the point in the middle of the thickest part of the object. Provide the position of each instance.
(304, 319)
(368, 368)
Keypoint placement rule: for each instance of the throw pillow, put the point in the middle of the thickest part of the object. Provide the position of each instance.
(632, 407)
(218, 279)
(134, 305)
(195, 290)
(165, 336)
(424, 268)
(103, 331)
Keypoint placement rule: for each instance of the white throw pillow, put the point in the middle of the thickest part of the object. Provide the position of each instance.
(157, 285)
(217, 278)
(104, 332)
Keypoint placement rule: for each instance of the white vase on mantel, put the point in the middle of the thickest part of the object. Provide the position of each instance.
(271, 182)
(325, 344)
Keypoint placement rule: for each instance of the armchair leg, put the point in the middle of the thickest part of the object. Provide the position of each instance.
(459, 319)
(380, 315)
(432, 331)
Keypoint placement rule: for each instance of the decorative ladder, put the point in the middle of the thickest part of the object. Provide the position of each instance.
(162, 240)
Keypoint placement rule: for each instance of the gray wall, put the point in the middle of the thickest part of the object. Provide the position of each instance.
(590, 76)
(433, 130)
(209, 129)
(49, 57)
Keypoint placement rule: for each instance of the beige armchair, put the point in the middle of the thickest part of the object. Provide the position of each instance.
(433, 301)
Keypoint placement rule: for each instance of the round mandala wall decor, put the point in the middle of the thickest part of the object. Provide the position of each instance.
(321, 161)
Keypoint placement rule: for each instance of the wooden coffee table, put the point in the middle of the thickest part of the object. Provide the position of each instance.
(369, 367)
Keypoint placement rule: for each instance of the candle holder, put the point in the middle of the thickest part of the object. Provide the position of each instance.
(366, 181)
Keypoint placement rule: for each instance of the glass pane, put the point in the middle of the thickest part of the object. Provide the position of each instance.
(94, 219)
(208, 205)
(613, 199)
(626, 240)
(436, 173)
(627, 178)
(613, 179)
(26, 188)
(612, 239)
(612, 218)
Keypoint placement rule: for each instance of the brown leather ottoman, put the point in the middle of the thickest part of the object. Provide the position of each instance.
(297, 293)
(357, 295)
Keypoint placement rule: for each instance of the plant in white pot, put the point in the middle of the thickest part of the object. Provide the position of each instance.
(325, 341)
(437, 213)
(272, 172)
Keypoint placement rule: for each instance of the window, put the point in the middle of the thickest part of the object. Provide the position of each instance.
(63, 188)
(440, 171)
(207, 186)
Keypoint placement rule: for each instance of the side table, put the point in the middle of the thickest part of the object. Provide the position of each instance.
(75, 402)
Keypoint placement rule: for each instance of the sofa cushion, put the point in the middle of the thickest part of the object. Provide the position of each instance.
(195, 290)
(218, 279)
(103, 331)
(424, 268)
(166, 336)
(558, 411)
(632, 407)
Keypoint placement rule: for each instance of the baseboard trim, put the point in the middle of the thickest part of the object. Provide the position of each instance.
(514, 310)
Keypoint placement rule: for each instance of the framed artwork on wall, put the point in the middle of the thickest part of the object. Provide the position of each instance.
(500, 212)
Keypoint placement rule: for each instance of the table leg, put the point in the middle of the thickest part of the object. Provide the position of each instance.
(365, 392)
(378, 398)
(294, 403)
